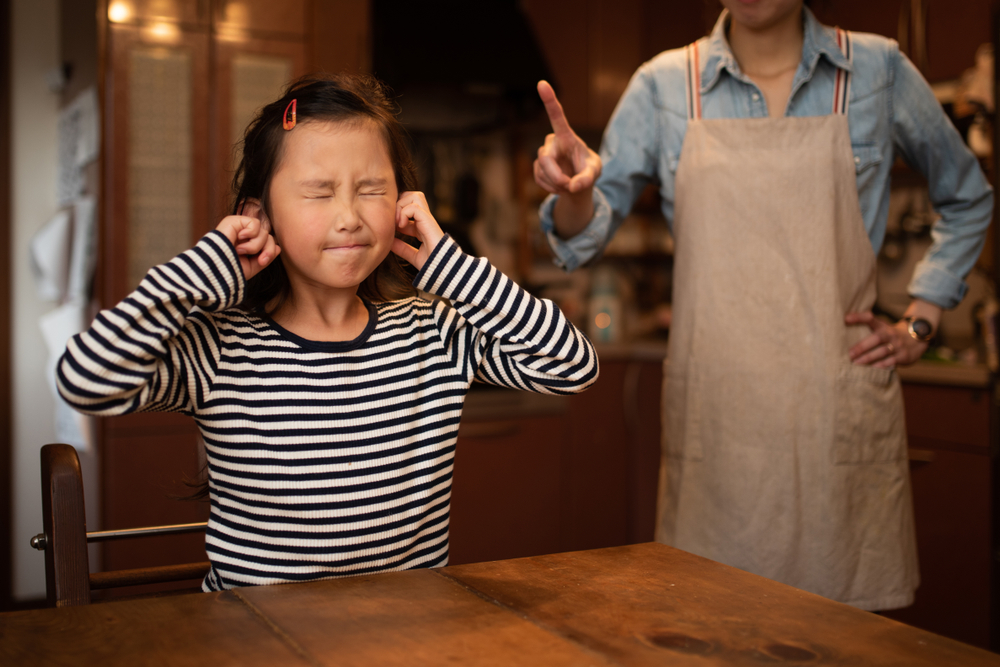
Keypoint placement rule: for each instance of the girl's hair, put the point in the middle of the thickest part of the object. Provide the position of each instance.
(343, 98)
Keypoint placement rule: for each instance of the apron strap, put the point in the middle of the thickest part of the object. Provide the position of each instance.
(693, 81)
(842, 83)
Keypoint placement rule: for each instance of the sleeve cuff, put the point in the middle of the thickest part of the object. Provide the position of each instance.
(222, 270)
(446, 261)
(936, 285)
(572, 253)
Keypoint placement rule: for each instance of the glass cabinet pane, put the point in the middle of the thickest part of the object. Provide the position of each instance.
(159, 158)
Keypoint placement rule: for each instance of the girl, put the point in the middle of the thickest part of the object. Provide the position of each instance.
(327, 393)
(771, 142)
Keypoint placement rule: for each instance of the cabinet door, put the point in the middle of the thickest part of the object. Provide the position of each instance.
(949, 434)
(179, 89)
(613, 459)
(249, 73)
(505, 499)
(156, 169)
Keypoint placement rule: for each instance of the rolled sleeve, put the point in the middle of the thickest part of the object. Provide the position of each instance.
(936, 285)
(957, 187)
(570, 254)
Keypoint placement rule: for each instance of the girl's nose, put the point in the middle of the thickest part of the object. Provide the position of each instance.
(346, 218)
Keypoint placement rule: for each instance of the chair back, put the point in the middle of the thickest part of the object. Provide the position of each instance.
(68, 580)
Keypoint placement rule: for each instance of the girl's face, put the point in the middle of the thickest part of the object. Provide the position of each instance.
(761, 14)
(333, 204)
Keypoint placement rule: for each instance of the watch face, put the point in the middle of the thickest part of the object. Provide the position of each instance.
(921, 328)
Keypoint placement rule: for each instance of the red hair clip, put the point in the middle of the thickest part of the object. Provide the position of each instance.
(286, 121)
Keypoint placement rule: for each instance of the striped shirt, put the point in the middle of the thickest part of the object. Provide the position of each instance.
(325, 459)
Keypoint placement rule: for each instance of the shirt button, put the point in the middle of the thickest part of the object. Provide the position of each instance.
(756, 97)
(857, 160)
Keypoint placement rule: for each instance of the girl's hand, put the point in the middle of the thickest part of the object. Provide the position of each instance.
(413, 218)
(887, 346)
(252, 238)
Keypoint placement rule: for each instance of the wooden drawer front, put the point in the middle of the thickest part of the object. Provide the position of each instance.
(948, 415)
(505, 499)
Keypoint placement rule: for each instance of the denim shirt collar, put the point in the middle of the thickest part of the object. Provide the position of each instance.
(817, 41)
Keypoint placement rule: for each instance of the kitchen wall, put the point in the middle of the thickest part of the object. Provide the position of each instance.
(35, 48)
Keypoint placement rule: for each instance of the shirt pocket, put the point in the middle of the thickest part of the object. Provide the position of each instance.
(866, 155)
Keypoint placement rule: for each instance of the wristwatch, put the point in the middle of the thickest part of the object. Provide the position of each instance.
(919, 328)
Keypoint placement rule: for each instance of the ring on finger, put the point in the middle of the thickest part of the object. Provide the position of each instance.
(890, 347)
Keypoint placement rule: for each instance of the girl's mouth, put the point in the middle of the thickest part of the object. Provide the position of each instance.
(347, 248)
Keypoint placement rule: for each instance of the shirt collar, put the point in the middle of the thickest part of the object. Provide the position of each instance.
(817, 41)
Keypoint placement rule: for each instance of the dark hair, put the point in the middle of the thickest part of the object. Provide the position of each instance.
(338, 98)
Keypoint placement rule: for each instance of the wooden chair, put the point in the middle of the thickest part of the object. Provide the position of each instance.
(68, 580)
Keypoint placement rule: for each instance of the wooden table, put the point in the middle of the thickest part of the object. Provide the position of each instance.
(645, 604)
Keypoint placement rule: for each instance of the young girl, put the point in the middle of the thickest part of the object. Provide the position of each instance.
(327, 393)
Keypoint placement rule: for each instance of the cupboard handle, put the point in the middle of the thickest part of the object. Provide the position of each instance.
(488, 430)
(922, 455)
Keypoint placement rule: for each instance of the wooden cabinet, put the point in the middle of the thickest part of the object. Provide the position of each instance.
(943, 43)
(180, 81)
(582, 476)
(950, 468)
(594, 47)
(506, 492)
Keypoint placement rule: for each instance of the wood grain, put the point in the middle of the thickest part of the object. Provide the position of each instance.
(646, 604)
(408, 618)
(65, 526)
(195, 629)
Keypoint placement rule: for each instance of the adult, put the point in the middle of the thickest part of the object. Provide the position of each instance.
(771, 142)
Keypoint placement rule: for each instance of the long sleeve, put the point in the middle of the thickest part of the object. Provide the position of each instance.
(157, 349)
(504, 335)
(958, 189)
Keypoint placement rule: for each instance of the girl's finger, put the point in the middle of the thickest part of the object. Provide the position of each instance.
(252, 245)
(268, 252)
(406, 251)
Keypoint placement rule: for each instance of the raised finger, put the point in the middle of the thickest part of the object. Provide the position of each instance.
(553, 108)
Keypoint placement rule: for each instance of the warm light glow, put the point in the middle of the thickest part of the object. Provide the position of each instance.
(119, 12)
(164, 32)
(603, 320)
(238, 14)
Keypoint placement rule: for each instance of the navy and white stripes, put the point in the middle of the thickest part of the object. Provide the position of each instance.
(325, 459)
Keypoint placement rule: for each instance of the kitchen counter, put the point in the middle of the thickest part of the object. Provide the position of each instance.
(922, 372)
(943, 373)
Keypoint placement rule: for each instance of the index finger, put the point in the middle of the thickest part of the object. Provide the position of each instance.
(553, 108)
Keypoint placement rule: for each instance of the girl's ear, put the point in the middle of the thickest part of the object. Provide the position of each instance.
(252, 208)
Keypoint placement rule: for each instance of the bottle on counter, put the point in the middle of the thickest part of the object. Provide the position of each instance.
(606, 316)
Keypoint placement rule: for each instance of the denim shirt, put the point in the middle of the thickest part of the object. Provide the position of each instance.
(892, 111)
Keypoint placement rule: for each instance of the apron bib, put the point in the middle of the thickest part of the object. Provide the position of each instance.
(781, 457)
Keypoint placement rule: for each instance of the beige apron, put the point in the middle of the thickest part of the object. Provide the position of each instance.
(781, 457)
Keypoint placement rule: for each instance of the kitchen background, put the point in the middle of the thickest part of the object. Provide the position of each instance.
(176, 80)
